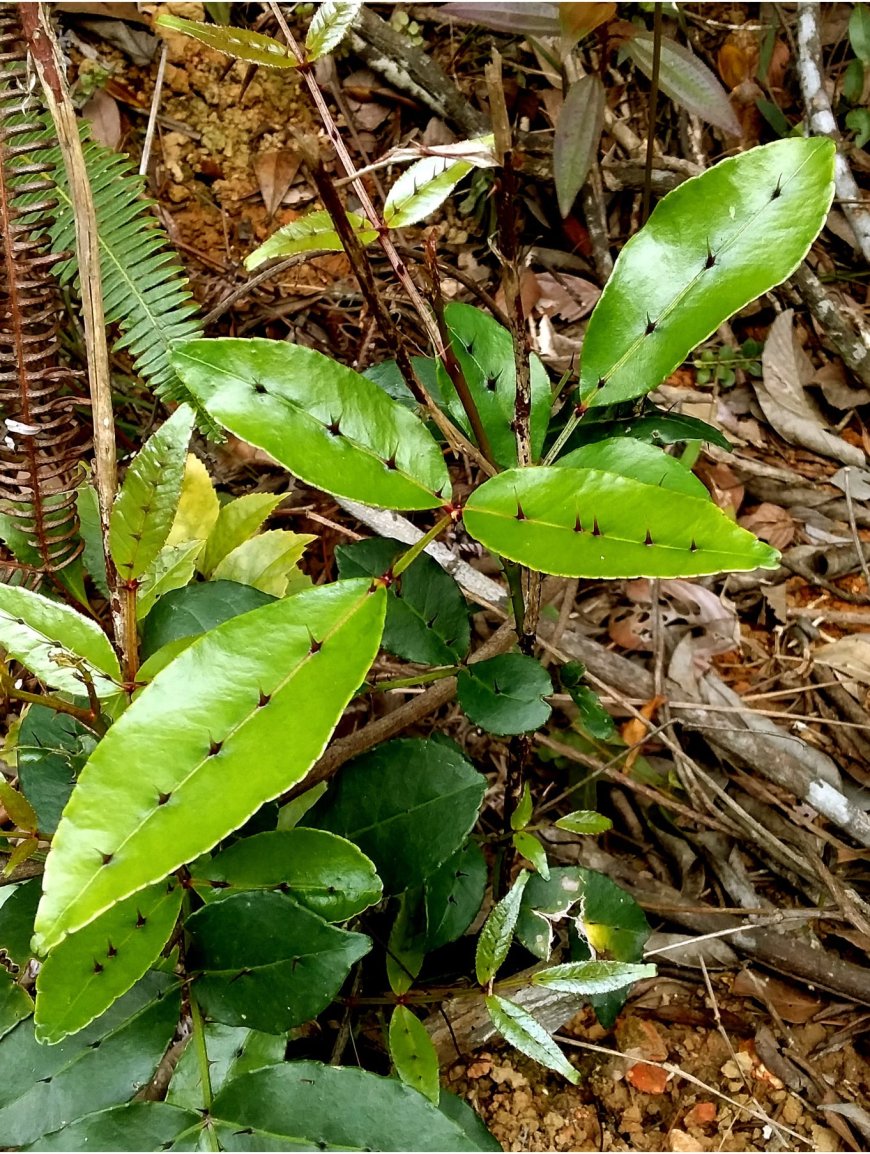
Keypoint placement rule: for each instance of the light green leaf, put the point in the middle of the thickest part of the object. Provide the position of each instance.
(267, 562)
(329, 26)
(252, 47)
(57, 644)
(313, 232)
(593, 977)
(584, 821)
(428, 182)
(522, 815)
(198, 751)
(232, 1051)
(172, 568)
(89, 970)
(327, 874)
(498, 931)
(686, 79)
(532, 850)
(696, 261)
(589, 523)
(198, 507)
(505, 694)
(236, 522)
(578, 134)
(145, 507)
(528, 1036)
(638, 461)
(327, 424)
(414, 1054)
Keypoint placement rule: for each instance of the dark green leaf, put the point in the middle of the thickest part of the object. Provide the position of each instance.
(459, 1111)
(427, 618)
(327, 424)
(16, 921)
(326, 874)
(408, 805)
(15, 1002)
(654, 426)
(267, 962)
(859, 33)
(386, 376)
(696, 262)
(414, 1054)
(505, 694)
(593, 717)
(232, 1051)
(406, 947)
(497, 934)
(45, 1087)
(88, 509)
(453, 895)
(528, 1036)
(134, 1126)
(578, 134)
(197, 609)
(592, 977)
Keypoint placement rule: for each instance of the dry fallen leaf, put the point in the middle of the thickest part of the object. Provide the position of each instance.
(771, 523)
(792, 1003)
(105, 119)
(275, 172)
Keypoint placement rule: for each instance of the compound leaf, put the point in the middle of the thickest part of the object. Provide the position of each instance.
(204, 746)
(413, 1053)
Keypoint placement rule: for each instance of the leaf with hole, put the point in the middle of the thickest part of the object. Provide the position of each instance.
(584, 821)
(58, 645)
(424, 187)
(590, 523)
(686, 80)
(155, 795)
(505, 694)
(327, 424)
(145, 507)
(578, 134)
(45, 1087)
(327, 874)
(413, 1053)
(236, 522)
(592, 977)
(16, 921)
(240, 43)
(332, 20)
(485, 352)
(267, 962)
(408, 804)
(268, 562)
(232, 1051)
(90, 970)
(528, 1036)
(427, 617)
(495, 938)
(696, 261)
(313, 232)
(453, 895)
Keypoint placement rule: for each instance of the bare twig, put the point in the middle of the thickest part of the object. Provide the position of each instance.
(152, 117)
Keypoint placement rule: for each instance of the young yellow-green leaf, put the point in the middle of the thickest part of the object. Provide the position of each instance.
(584, 821)
(313, 232)
(145, 507)
(267, 562)
(252, 47)
(198, 506)
(532, 850)
(237, 521)
(413, 1053)
(498, 931)
(172, 568)
(522, 815)
(528, 1036)
(17, 807)
(57, 644)
(591, 523)
(205, 745)
(592, 977)
(696, 261)
(327, 424)
(84, 975)
(330, 24)
(422, 188)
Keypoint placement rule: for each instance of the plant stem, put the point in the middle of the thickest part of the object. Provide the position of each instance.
(653, 100)
(204, 1070)
(421, 679)
(410, 555)
(87, 717)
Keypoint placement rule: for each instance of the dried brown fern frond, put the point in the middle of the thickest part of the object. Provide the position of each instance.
(41, 438)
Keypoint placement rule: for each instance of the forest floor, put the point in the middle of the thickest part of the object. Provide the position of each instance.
(725, 1050)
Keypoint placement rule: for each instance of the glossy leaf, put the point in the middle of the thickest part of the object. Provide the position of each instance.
(522, 815)
(584, 821)
(172, 568)
(237, 521)
(427, 617)
(16, 921)
(409, 805)
(198, 507)
(498, 931)
(43, 1087)
(424, 187)
(327, 874)
(313, 232)
(89, 970)
(310, 1105)
(592, 977)
(232, 1051)
(145, 507)
(653, 426)
(453, 895)
(268, 562)
(56, 643)
(696, 261)
(331, 22)
(485, 354)
(505, 694)
(531, 849)
(591, 714)
(528, 1036)
(327, 424)
(591, 523)
(196, 609)
(240, 43)
(134, 1126)
(639, 462)
(267, 962)
(413, 1053)
(15, 1002)
(686, 79)
(578, 134)
(406, 948)
(155, 795)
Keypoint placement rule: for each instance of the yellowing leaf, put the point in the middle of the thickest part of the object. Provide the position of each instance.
(266, 561)
(198, 508)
